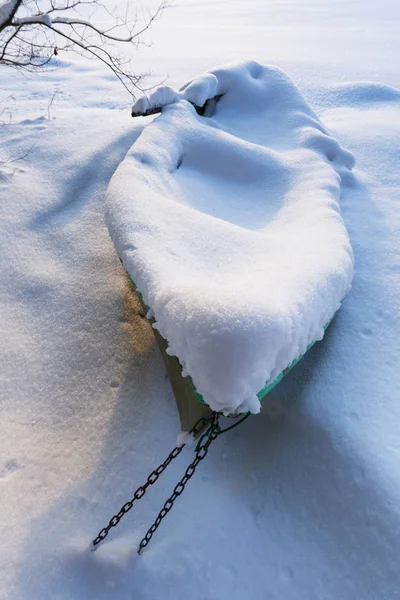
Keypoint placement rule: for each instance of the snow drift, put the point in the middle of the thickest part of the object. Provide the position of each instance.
(230, 226)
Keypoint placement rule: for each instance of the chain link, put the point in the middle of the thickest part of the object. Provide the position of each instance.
(153, 477)
(201, 452)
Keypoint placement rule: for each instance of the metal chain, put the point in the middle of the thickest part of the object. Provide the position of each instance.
(201, 452)
(151, 480)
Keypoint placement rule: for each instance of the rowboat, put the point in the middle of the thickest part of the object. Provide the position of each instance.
(225, 214)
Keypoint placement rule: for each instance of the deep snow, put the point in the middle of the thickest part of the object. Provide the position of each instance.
(230, 227)
(300, 502)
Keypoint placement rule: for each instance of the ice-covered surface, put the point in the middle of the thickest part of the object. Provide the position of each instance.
(230, 227)
(298, 503)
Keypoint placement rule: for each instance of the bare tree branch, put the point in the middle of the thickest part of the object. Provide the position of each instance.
(32, 32)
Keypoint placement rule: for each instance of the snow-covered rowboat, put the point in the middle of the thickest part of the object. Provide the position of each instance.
(225, 214)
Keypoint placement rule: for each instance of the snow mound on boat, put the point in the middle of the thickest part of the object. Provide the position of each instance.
(230, 227)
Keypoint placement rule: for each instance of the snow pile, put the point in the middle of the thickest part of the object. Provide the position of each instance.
(197, 92)
(231, 229)
(162, 96)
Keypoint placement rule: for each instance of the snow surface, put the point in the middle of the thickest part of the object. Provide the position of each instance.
(230, 228)
(299, 503)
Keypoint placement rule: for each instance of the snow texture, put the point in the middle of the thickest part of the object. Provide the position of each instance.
(162, 96)
(301, 502)
(230, 227)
